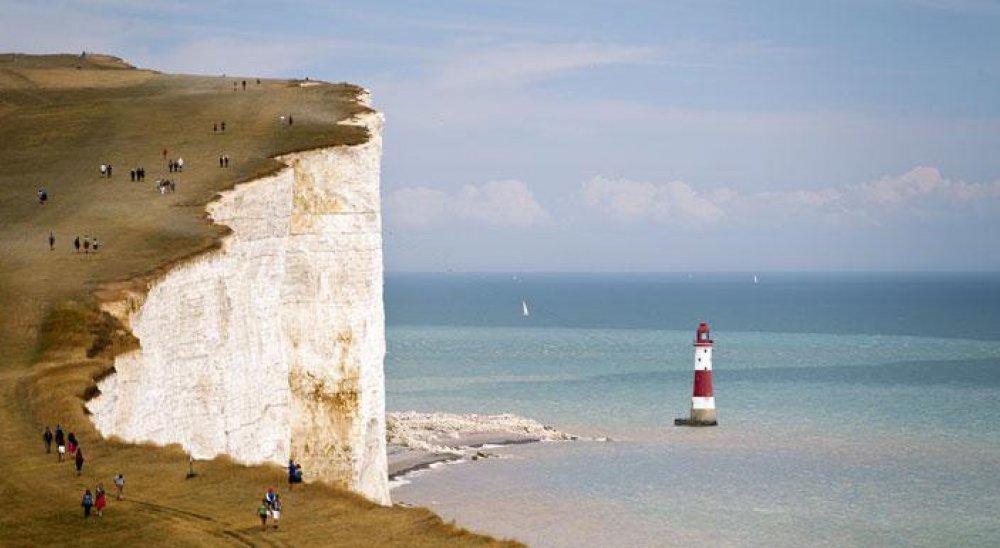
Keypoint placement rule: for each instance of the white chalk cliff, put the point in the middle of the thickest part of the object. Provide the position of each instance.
(271, 347)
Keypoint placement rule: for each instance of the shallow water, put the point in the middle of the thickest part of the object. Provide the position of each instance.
(856, 411)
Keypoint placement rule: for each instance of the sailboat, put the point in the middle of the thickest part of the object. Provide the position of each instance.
(755, 279)
(524, 309)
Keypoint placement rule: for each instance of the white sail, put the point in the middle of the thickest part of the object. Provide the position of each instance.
(755, 278)
(524, 309)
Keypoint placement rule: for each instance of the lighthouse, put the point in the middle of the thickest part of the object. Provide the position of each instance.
(702, 398)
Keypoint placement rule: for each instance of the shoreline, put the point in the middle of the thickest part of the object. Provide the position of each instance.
(421, 441)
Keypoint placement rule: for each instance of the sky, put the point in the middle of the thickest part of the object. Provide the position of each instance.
(630, 135)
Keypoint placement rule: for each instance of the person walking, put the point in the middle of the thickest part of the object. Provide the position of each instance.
(262, 514)
(79, 461)
(119, 487)
(131, 175)
(86, 244)
(76, 244)
(72, 443)
(215, 127)
(291, 474)
(52, 241)
(100, 499)
(104, 170)
(87, 503)
(220, 160)
(276, 510)
(60, 442)
(244, 85)
(223, 126)
(47, 437)
(109, 171)
(96, 244)
(290, 121)
(180, 164)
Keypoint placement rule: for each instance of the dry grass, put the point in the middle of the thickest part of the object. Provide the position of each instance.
(56, 127)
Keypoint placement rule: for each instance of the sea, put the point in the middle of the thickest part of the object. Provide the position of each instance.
(855, 409)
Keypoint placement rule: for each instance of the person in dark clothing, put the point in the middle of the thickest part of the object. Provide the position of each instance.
(52, 241)
(289, 119)
(79, 461)
(244, 85)
(223, 126)
(76, 244)
(109, 171)
(60, 442)
(87, 503)
(142, 174)
(131, 175)
(220, 160)
(86, 244)
(47, 437)
(291, 474)
(215, 128)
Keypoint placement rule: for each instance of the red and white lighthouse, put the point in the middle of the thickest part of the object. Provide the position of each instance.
(702, 399)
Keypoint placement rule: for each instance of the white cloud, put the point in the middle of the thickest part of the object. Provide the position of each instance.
(922, 192)
(499, 203)
(674, 202)
(513, 65)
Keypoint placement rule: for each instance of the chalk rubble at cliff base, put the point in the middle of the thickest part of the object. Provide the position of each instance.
(417, 440)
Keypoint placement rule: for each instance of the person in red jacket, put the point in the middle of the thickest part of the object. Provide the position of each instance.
(79, 461)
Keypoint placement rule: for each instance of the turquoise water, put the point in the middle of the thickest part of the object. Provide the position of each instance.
(855, 409)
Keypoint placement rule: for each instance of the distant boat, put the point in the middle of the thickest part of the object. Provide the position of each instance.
(524, 309)
(755, 279)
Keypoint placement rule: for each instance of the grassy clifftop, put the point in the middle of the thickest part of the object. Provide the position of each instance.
(61, 116)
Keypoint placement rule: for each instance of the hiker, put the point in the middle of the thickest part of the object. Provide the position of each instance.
(100, 499)
(170, 165)
(298, 473)
(223, 126)
(180, 164)
(269, 497)
(87, 503)
(76, 244)
(104, 170)
(109, 171)
(142, 174)
(119, 487)
(60, 442)
(262, 514)
(258, 81)
(86, 244)
(131, 175)
(291, 474)
(52, 241)
(79, 461)
(289, 119)
(226, 158)
(71, 443)
(244, 85)
(220, 160)
(215, 127)
(47, 437)
(164, 153)
(276, 510)
(96, 245)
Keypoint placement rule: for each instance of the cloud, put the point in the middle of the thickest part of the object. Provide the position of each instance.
(674, 202)
(497, 203)
(923, 192)
(513, 65)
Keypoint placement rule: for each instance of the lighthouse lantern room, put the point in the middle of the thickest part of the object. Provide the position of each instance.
(702, 398)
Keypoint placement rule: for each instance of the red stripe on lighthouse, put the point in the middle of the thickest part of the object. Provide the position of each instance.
(702, 384)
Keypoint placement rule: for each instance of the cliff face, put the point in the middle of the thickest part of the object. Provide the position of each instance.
(272, 347)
